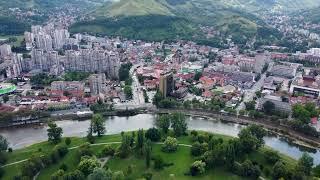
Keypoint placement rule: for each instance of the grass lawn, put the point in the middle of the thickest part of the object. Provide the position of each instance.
(17, 43)
(181, 159)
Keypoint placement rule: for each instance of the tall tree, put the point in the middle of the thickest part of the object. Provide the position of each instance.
(305, 164)
(163, 122)
(54, 133)
(148, 150)
(3, 143)
(98, 123)
(179, 124)
(140, 141)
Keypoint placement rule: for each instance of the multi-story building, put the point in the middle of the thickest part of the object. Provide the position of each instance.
(5, 50)
(166, 84)
(97, 83)
(43, 41)
(15, 67)
(74, 88)
(59, 38)
(308, 85)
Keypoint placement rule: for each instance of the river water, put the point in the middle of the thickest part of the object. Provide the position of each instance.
(22, 137)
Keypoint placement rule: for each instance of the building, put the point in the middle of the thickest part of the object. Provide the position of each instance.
(73, 88)
(283, 71)
(5, 50)
(307, 85)
(59, 38)
(166, 84)
(279, 104)
(97, 83)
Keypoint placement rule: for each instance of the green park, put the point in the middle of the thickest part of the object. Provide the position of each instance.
(168, 151)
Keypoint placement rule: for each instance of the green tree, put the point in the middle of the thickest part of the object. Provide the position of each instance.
(271, 156)
(140, 141)
(54, 133)
(128, 91)
(197, 76)
(316, 171)
(100, 174)
(163, 122)
(179, 124)
(118, 175)
(268, 107)
(98, 124)
(148, 150)
(5, 98)
(197, 168)
(75, 175)
(68, 141)
(305, 164)
(279, 170)
(3, 143)
(88, 164)
(157, 98)
(125, 149)
(153, 134)
(170, 145)
(250, 105)
(57, 175)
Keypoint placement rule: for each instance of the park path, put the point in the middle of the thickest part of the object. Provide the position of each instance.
(76, 147)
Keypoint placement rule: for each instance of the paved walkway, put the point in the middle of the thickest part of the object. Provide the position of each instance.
(76, 147)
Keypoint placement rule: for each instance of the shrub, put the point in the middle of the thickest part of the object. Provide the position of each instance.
(197, 168)
(68, 141)
(198, 149)
(108, 150)
(3, 158)
(84, 150)
(46, 160)
(147, 176)
(62, 150)
(88, 164)
(57, 175)
(170, 145)
(158, 162)
(271, 156)
(10, 150)
(153, 134)
(1, 172)
(63, 167)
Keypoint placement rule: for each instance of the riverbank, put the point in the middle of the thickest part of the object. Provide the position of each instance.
(279, 129)
(181, 158)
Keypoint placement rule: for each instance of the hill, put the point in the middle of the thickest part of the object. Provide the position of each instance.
(191, 13)
(132, 8)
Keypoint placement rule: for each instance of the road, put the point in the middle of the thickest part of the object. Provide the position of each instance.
(250, 93)
(137, 92)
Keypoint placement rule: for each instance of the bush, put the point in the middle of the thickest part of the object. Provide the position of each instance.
(108, 150)
(271, 156)
(10, 150)
(68, 141)
(64, 167)
(147, 176)
(88, 164)
(170, 145)
(3, 158)
(197, 168)
(198, 149)
(84, 150)
(1, 172)
(158, 162)
(46, 160)
(153, 134)
(62, 150)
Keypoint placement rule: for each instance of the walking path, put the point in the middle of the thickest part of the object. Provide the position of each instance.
(76, 147)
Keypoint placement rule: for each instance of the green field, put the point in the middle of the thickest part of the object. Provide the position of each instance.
(181, 160)
(7, 88)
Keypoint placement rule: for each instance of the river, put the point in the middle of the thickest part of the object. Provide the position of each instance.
(22, 137)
